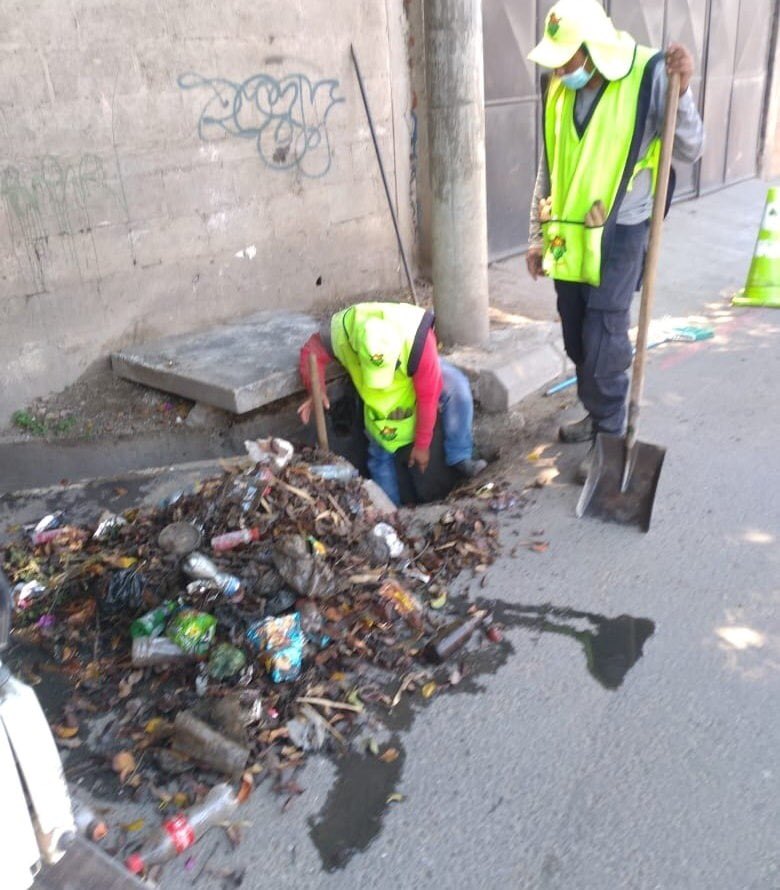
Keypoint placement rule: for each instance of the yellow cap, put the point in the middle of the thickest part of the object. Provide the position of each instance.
(569, 24)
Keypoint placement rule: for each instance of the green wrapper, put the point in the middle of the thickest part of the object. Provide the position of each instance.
(192, 631)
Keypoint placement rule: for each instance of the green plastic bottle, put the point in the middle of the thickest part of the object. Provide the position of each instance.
(152, 624)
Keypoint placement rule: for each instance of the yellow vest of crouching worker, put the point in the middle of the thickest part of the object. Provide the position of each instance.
(390, 413)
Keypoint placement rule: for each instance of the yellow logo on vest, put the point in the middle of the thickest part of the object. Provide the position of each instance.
(377, 359)
(558, 247)
(763, 282)
(388, 433)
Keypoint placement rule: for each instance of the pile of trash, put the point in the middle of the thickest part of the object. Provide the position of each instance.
(259, 615)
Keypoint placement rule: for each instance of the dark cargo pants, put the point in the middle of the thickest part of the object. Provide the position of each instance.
(595, 323)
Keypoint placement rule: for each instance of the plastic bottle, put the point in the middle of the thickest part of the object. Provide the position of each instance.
(337, 472)
(181, 832)
(48, 535)
(149, 651)
(152, 623)
(453, 637)
(87, 821)
(230, 540)
(200, 567)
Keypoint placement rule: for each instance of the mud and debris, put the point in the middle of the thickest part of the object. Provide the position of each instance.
(320, 637)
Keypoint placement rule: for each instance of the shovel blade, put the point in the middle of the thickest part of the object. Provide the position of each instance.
(603, 496)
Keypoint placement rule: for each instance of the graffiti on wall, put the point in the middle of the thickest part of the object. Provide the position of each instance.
(287, 118)
(50, 208)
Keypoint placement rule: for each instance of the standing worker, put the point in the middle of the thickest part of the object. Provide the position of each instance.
(603, 109)
(389, 350)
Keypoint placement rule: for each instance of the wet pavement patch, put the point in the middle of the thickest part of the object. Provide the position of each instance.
(352, 815)
(612, 646)
(365, 786)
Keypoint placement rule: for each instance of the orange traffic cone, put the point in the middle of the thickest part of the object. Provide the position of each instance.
(763, 283)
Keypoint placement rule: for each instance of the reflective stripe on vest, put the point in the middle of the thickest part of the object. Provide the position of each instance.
(399, 399)
(590, 167)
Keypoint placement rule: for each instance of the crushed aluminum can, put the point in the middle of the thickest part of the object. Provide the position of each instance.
(108, 523)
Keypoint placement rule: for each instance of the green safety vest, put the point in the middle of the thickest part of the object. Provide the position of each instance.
(591, 167)
(399, 398)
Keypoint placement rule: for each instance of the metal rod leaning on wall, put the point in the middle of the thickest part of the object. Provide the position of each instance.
(384, 178)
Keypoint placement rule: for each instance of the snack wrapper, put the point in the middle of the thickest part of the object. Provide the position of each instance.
(280, 644)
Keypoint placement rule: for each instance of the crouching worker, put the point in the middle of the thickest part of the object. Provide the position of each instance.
(389, 351)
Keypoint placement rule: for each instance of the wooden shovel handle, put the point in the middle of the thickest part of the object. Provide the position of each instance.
(316, 397)
(651, 260)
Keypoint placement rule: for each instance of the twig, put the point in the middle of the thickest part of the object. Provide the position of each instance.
(328, 703)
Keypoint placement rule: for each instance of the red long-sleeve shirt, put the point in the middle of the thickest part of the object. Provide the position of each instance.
(426, 379)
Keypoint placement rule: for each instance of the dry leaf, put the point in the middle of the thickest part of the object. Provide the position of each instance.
(154, 725)
(123, 764)
(92, 671)
(247, 783)
(545, 477)
(135, 825)
(65, 732)
(428, 689)
(389, 755)
(540, 546)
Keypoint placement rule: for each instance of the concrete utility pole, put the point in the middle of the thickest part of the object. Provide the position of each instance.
(456, 122)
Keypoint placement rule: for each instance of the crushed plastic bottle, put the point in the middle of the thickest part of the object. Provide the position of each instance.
(182, 831)
(201, 568)
(231, 540)
(335, 472)
(48, 535)
(152, 651)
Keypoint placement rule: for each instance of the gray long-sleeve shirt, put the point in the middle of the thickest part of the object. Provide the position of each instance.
(638, 203)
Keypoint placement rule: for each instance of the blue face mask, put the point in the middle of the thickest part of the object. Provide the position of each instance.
(577, 79)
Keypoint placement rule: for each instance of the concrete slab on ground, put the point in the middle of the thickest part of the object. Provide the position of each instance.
(519, 359)
(237, 367)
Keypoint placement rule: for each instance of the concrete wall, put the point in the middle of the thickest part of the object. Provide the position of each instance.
(167, 164)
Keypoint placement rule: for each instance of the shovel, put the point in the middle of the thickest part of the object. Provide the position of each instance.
(624, 474)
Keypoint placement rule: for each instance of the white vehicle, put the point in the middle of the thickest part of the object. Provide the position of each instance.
(36, 820)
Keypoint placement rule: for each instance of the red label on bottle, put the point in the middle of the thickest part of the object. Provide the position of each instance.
(180, 832)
